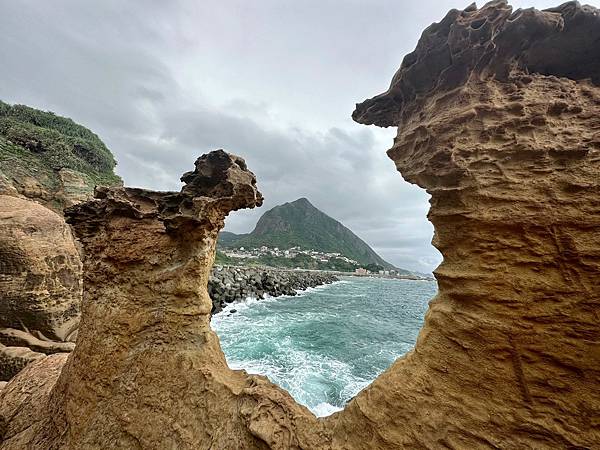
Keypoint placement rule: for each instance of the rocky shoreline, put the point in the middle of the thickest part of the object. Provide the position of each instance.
(228, 284)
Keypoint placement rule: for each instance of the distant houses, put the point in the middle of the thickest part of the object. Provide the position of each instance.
(363, 271)
(254, 253)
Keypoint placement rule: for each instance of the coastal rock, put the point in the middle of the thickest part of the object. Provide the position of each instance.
(40, 270)
(40, 284)
(230, 284)
(147, 371)
(14, 359)
(18, 338)
(59, 189)
(498, 117)
(508, 356)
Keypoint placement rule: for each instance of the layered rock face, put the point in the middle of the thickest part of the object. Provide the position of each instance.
(40, 284)
(498, 119)
(65, 188)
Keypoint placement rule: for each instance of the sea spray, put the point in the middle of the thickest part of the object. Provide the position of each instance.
(327, 343)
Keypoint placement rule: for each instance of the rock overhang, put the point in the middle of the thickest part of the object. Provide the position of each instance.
(489, 43)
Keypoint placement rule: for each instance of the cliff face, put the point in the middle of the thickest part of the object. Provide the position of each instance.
(507, 145)
(498, 119)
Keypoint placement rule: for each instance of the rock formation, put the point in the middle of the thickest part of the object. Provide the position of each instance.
(505, 139)
(147, 371)
(66, 187)
(40, 283)
(229, 284)
(40, 273)
(498, 117)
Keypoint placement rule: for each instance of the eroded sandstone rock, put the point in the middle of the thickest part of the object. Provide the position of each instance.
(498, 119)
(40, 270)
(147, 371)
(509, 353)
(14, 358)
(40, 284)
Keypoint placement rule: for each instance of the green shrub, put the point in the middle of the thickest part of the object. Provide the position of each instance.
(58, 142)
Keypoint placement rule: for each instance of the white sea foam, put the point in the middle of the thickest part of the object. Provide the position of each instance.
(324, 348)
(325, 409)
(241, 305)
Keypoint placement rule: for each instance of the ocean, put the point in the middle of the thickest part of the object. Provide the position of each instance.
(327, 343)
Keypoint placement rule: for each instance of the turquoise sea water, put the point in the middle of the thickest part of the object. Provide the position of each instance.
(327, 343)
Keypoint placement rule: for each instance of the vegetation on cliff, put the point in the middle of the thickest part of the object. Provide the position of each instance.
(43, 155)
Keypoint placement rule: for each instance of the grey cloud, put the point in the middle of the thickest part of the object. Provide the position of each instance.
(273, 80)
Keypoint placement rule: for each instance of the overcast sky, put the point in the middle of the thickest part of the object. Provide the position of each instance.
(275, 81)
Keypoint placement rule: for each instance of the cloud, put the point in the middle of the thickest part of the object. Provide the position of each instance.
(274, 81)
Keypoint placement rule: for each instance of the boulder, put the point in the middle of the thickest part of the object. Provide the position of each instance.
(14, 359)
(40, 270)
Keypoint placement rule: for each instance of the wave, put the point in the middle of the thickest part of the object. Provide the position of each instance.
(325, 409)
(243, 304)
(306, 376)
(326, 347)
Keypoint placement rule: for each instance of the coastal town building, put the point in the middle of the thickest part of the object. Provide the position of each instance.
(254, 253)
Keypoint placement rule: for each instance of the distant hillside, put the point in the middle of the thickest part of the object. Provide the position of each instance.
(227, 239)
(50, 158)
(300, 224)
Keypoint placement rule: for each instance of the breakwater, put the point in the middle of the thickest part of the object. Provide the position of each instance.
(228, 284)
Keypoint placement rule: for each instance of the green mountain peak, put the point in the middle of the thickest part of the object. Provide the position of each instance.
(300, 224)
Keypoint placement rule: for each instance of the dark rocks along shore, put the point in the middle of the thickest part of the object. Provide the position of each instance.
(229, 284)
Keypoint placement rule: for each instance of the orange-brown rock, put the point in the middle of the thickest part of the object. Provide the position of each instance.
(498, 119)
(505, 139)
(147, 371)
(40, 270)
(14, 358)
(40, 283)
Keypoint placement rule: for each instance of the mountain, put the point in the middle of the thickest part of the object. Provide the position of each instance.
(300, 224)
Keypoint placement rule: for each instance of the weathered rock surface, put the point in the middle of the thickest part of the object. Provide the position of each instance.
(230, 284)
(13, 359)
(509, 353)
(147, 371)
(65, 188)
(498, 119)
(20, 338)
(40, 270)
(40, 283)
